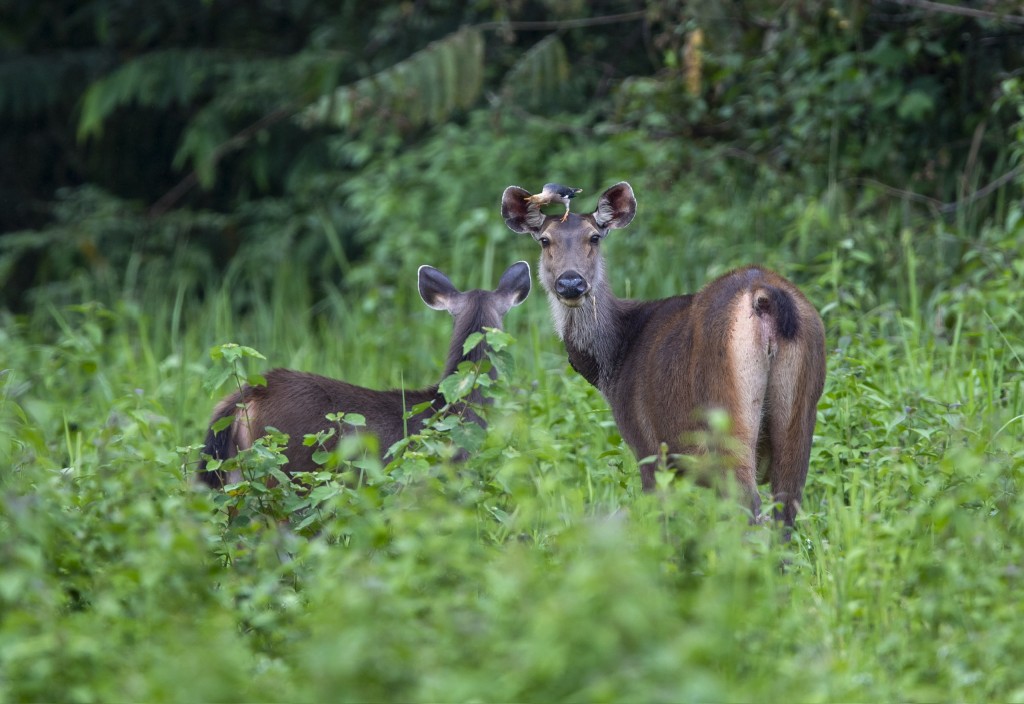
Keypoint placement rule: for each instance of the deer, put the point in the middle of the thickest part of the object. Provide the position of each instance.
(749, 343)
(297, 403)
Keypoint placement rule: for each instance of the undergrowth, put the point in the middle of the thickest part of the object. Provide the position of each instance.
(536, 570)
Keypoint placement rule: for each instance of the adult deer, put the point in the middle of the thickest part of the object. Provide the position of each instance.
(296, 403)
(749, 342)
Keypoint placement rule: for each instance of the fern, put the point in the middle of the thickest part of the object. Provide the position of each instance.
(539, 76)
(225, 92)
(200, 144)
(157, 79)
(427, 87)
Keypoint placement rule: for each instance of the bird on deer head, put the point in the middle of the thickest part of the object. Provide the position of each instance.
(554, 193)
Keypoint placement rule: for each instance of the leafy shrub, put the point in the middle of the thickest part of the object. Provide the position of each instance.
(534, 570)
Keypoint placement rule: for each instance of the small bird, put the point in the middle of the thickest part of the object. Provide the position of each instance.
(555, 193)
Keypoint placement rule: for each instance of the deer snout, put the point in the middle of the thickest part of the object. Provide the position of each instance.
(570, 285)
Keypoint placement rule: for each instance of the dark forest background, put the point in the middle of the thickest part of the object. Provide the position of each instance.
(187, 136)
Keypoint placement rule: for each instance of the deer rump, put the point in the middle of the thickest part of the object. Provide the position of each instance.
(297, 403)
(732, 346)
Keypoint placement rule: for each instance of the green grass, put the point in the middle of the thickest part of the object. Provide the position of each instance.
(536, 571)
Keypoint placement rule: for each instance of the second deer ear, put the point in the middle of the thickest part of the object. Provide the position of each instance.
(515, 282)
(436, 290)
(519, 215)
(616, 207)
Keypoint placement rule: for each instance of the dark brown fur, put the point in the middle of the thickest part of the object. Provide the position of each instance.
(749, 342)
(296, 403)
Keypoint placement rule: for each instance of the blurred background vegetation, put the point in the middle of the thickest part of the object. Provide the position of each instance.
(162, 147)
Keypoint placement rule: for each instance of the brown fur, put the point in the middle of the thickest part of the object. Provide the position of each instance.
(296, 403)
(749, 342)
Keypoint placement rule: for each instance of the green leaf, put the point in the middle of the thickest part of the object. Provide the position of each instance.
(457, 386)
(278, 474)
(309, 520)
(469, 436)
(250, 352)
(446, 423)
(222, 423)
(472, 341)
(215, 378)
(664, 478)
(498, 340)
(323, 493)
(419, 408)
(356, 420)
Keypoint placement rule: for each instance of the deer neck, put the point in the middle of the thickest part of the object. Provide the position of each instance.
(592, 333)
(462, 330)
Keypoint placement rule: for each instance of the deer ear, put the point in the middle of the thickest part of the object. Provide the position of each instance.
(436, 290)
(519, 215)
(616, 207)
(515, 282)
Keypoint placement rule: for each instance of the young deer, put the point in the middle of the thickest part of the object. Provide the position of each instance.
(296, 403)
(749, 342)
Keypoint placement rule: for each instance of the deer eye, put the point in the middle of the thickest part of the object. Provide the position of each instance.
(544, 241)
(595, 239)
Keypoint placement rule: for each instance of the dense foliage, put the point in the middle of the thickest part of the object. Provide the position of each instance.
(202, 133)
(190, 175)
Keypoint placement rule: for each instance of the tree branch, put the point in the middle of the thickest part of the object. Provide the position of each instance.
(938, 205)
(564, 24)
(956, 10)
(949, 208)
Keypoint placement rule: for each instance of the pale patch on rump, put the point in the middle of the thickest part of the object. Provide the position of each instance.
(242, 427)
(750, 343)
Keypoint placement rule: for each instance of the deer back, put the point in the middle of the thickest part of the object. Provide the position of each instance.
(297, 403)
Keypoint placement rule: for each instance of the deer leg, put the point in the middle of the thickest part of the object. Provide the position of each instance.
(788, 470)
(745, 434)
(647, 481)
(746, 423)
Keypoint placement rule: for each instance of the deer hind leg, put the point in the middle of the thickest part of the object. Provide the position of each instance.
(745, 426)
(790, 426)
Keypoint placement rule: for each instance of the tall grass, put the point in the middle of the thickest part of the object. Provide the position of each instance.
(536, 570)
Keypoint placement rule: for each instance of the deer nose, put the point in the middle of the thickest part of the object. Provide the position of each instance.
(570, 285)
